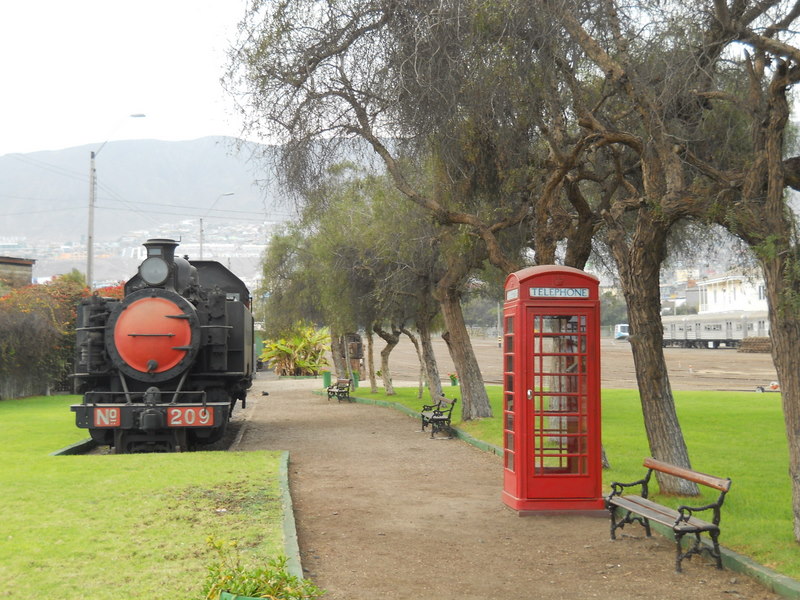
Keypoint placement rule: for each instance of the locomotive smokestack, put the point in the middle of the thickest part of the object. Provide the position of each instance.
(163, 247)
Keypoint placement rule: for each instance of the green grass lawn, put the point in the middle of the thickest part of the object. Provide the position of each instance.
(740, 435)
(136, 526)
(132, 526)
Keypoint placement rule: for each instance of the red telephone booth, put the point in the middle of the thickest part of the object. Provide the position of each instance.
(551, 389)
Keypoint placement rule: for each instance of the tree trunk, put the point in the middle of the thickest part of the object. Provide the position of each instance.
(762, 218)
(422, 377)
(429, 360)
(337, 354)
(373, 382)
(780, 259)
(639, 264)
(475, 401)
(785, 333)
(391, 339)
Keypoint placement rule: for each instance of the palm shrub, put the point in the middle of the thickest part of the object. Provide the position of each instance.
(301, 352)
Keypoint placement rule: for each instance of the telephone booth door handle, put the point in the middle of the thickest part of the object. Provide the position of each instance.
(530, 394)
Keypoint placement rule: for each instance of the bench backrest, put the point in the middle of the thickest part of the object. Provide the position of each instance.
(718, 483)
(443, 404)
(446, 405)
(343, 383)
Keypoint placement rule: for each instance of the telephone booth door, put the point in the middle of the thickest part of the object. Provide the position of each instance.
(551, 391)
(559, 405)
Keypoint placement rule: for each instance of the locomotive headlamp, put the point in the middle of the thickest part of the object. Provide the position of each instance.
(154, 270)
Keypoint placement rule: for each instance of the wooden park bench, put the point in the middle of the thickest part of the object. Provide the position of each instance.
(681, 520)
(438, 415)
(340, 390)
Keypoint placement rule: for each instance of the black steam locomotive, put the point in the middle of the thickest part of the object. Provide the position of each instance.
(162, 369)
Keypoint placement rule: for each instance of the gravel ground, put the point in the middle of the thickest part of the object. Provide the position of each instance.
(383, 511)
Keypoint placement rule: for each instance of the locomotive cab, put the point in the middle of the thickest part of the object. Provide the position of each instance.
(162, 369)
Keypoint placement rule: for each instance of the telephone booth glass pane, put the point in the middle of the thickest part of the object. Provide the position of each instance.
(508, 395)
(560, 388)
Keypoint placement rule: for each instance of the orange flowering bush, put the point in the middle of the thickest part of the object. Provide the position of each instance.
(37, 336)
(112, 291)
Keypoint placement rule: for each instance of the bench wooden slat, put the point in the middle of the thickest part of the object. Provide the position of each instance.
(432, 416)
(661, 514)
(718, 483)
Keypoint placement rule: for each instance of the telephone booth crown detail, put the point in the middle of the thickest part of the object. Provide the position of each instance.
(551, 390)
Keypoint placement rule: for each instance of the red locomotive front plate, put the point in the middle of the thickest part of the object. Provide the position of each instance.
(151, 336)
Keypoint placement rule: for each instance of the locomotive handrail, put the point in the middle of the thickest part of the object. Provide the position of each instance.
(151, 335)
(221, 374)
(139, 394)
(216, 326)
(125, 387)
(180, 387)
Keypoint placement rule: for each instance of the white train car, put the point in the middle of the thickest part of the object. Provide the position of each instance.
(714, 330)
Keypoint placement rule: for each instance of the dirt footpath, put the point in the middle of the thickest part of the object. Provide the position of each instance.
(384, 512)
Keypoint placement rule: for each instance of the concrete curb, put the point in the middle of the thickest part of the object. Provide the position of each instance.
(480, 444)
(780, 584)
(738, 563)
(290, 544)
(76, 448)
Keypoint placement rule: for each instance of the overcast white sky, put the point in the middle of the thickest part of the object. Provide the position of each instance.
(73, 70)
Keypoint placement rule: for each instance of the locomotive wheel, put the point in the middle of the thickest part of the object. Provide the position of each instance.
(181, 445)
(120, 441)
(103, 437)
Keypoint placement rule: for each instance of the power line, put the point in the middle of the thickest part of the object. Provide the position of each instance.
(37, 212)
(34, 199)
(131, 206)
(50, 167)
(136, 207)
(232, 210)
(187, 216)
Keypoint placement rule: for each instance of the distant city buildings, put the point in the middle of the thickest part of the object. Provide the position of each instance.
(690, 292)
(732, 292)
(239, 246)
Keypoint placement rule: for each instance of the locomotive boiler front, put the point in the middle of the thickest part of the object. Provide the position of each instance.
(156, 335)
(163, 368)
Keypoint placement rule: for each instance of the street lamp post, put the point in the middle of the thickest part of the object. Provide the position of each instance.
(208, 211)
(92, 198)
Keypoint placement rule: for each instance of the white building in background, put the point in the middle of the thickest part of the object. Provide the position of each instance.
(732, 292)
